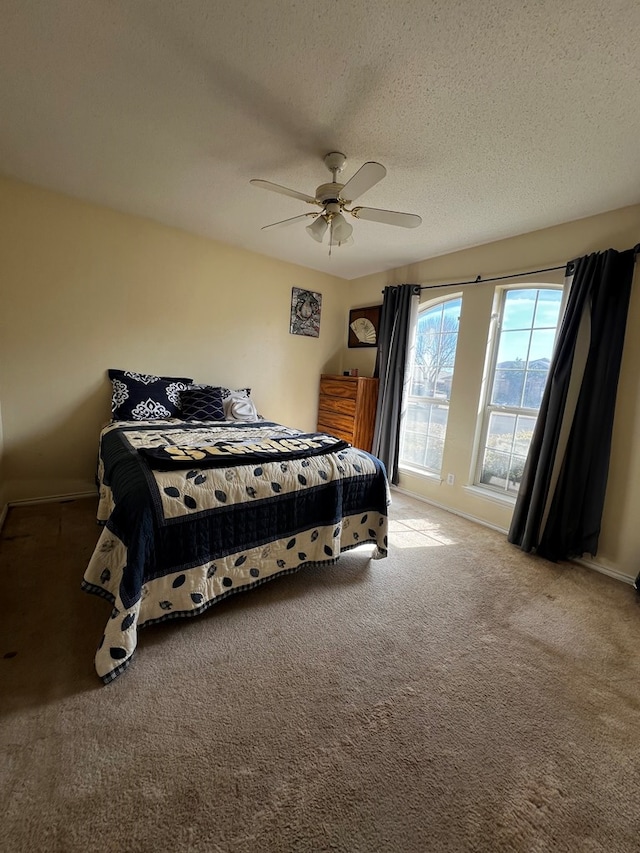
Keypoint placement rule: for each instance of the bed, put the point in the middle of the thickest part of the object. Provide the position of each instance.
(197, 510)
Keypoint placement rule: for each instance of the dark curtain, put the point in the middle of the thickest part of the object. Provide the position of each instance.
(559, 506)
(394, 332)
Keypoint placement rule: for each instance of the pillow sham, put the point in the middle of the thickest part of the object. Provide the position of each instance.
(143, 396)
(228, 396)
(202, 404)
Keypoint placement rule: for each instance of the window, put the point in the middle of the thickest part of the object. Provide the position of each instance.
(431, 364)
(526, 328)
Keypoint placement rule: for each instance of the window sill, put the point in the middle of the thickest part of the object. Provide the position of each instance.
(420, 472)
(488, 494)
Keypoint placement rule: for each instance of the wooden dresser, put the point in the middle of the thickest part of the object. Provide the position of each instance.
(347, 408)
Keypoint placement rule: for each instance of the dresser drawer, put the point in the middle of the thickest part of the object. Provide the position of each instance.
(337, 405)
(341, 387)
(336, 425)
(347, 408)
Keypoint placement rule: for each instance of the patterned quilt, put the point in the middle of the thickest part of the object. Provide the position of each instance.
(176, 541)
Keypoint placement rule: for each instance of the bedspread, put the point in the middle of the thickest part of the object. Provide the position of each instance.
(176, 541)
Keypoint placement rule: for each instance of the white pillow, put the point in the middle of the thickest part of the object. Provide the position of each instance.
(240, 407)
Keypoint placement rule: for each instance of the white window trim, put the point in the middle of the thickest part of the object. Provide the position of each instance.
(491, 359)
(414, 470)
(423, 307)
(491, 494)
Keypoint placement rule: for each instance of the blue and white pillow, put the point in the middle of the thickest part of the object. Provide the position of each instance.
(233, 401)
(142, 396)
(202, 404)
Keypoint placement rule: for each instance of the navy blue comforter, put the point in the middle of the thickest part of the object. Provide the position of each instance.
(176, 541)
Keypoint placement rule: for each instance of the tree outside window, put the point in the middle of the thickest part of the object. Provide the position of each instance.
(424, 426)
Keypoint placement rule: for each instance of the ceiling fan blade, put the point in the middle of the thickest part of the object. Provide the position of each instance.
(287, 221)
(366, 177)
(387, 217)
(276, 188)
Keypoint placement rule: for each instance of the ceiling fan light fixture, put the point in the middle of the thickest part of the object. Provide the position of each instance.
(341, 230)
(317, 228)
(349, 241)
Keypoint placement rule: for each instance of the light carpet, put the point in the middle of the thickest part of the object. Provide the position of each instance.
(457, 696)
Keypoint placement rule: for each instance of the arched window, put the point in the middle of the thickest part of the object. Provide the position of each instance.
(526, 320)
(424, 426)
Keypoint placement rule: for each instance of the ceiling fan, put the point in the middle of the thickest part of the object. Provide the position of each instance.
(334, 197)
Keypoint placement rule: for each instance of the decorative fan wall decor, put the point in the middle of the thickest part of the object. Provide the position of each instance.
(334, 197)
(364, 330)
(363, 326)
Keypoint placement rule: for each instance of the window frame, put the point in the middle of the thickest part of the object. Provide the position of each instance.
(486, 408)
(423, 308)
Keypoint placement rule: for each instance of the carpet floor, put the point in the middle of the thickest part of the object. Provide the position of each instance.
(457, 696)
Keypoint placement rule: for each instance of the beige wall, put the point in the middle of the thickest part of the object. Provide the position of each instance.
(84, 288)
(619, 549)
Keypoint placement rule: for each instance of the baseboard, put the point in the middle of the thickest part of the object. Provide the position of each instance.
(54, 498)
(448, 509)
(586, 564)
(604, 570)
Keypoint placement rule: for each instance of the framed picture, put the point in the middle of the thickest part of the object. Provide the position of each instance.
(363, 326)
(306, 307)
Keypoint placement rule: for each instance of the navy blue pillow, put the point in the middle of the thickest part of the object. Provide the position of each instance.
(142, 396)
(202, 404)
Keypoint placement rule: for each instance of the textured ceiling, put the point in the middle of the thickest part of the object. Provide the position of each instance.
(493, 118)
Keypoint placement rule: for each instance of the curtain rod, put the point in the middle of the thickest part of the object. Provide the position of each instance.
(480, 280)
